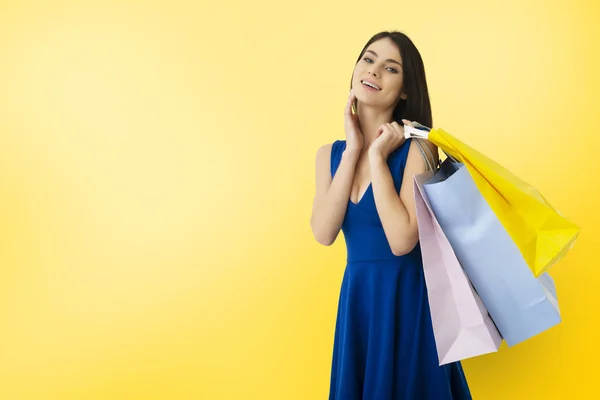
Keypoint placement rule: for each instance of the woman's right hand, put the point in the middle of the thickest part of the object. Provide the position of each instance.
(354, 137)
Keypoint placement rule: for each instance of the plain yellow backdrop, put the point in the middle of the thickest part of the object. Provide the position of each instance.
(157, 173)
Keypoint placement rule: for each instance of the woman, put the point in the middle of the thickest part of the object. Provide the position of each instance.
(384, 346)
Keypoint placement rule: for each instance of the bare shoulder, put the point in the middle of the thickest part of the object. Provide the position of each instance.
(324, 156)
(324, 150)
(415, 162)
(432, 146)
(425, 143)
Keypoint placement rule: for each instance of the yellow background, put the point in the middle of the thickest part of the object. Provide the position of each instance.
(157, 172)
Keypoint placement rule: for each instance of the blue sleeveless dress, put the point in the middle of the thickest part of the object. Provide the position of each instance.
(384, 348)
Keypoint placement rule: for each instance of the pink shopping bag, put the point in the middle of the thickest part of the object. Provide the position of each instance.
(461, 324)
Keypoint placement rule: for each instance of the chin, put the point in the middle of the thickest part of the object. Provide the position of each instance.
(369, 101)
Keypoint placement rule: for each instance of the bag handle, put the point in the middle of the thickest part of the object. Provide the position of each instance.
(426, 157)
(421, 131)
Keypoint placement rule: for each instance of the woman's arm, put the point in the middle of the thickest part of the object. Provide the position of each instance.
(331, 195)
(398, 213)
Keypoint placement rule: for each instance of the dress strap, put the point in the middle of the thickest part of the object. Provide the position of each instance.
(336, 155)
(398, 162)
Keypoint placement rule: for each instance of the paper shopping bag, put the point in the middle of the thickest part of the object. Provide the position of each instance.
(520, 305)
(462, 326)
(541, 233)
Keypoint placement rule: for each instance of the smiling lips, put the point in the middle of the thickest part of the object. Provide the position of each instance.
(370, 85)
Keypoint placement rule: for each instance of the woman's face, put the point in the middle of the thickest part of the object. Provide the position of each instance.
(381, 66)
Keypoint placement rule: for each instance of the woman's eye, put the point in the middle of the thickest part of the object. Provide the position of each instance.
(392, 70)
(367, 59)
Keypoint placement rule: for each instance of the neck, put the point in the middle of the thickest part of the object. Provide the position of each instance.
(371, 119)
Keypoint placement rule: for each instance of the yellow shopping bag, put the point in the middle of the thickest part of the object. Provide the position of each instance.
(541, 233)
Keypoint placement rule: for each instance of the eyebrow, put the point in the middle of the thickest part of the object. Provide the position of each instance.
(389, 59)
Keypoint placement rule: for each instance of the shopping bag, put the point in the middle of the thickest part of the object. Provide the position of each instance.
(541, 233)
(520, 305)
(462, 326)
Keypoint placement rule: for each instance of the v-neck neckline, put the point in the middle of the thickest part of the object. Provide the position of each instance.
(370, 187)
(363, 195)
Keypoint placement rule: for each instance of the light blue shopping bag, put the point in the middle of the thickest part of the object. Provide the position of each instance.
(520, 305)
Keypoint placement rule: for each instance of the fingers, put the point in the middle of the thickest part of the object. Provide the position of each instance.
(351, 98)
(393, 131)
(387, 129)
(407, 122)
(384, 129)
(399, 129)
(393, 127)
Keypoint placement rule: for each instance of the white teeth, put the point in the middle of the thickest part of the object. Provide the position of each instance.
(370, 84)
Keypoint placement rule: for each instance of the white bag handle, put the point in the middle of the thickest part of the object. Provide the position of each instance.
(421, 131)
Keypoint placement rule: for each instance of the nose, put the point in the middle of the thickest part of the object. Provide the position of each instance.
(373, 72)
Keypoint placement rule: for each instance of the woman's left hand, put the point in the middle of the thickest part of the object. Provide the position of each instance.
(390, 136)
